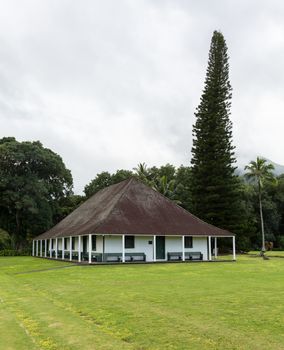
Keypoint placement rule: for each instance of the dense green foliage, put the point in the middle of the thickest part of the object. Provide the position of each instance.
(105, 179)
(215, 187)
(259, 171)
(175, 183)
(155, 306)
(272, 194)
(33, 180)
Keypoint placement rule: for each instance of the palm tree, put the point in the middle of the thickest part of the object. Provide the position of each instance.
(260, 171)
(165, 187)
(142, 172)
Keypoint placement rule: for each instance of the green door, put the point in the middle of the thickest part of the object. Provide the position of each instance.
(160, 247)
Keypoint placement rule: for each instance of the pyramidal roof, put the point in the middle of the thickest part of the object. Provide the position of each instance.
(131, 207)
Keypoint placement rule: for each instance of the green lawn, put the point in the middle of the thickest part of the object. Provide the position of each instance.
(164, 306)
(269, 253)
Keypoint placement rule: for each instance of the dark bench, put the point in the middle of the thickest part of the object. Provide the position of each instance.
(177, 256)
(95, 257)
(75, 255)
(195, 256)
(129, 257)
(112, 257)
(59, 253)
(174, 256)
(66, 254)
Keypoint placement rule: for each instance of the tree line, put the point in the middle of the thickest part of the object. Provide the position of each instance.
(177, 184)
(36, 193)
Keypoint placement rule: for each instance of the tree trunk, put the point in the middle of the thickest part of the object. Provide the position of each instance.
(18, 230)
(261, 219)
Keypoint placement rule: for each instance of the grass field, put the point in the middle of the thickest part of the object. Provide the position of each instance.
(269, 253)
(164, 306)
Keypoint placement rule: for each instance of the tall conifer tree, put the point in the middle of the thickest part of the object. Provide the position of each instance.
(214, 184)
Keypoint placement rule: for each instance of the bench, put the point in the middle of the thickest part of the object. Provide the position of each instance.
(95, 257)
(195, 256)
(174, 256)
(66, 254)
(85, 256)
(177, 256)
(112, 257)
(75, 255)
(129, 257)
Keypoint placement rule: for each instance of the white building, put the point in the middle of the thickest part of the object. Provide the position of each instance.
(130, 222)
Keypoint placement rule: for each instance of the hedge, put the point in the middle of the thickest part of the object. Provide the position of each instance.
(12, 252)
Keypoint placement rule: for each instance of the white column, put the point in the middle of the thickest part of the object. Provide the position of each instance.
(215, 248)
(50, 247)
(123, 248)
(79, 248)
(33, 253)
(234, 248)
(63, 248)
(183, 254)
(41, 248)
(56, 247)
(70, 248)
(45, 248)
(36, 248)
(90, 249)
(154, 248)
(209, 248)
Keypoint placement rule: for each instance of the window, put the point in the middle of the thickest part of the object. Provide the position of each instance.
(129, 242)
(73, 243)
(65, 244)
(188, 242)
(94, 242)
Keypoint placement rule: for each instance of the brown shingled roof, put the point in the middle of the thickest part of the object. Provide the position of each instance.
(131, 207)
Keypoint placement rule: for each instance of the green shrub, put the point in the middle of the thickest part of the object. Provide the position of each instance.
(5, 239)
(281, 242)
(12, 252)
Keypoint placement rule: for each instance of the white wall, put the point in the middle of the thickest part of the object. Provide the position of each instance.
(141, 245)
(59, 243)
(99, 244)
(113, 244)
(174, 244)
(199, 244)
(76, 244)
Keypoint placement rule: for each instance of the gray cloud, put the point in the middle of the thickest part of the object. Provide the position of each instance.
(110, 84)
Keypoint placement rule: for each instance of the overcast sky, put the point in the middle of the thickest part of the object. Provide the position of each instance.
(108, 84)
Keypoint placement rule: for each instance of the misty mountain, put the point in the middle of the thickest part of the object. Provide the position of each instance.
(278, 168)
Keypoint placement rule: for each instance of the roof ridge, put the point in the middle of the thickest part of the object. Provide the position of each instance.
(127, 183)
